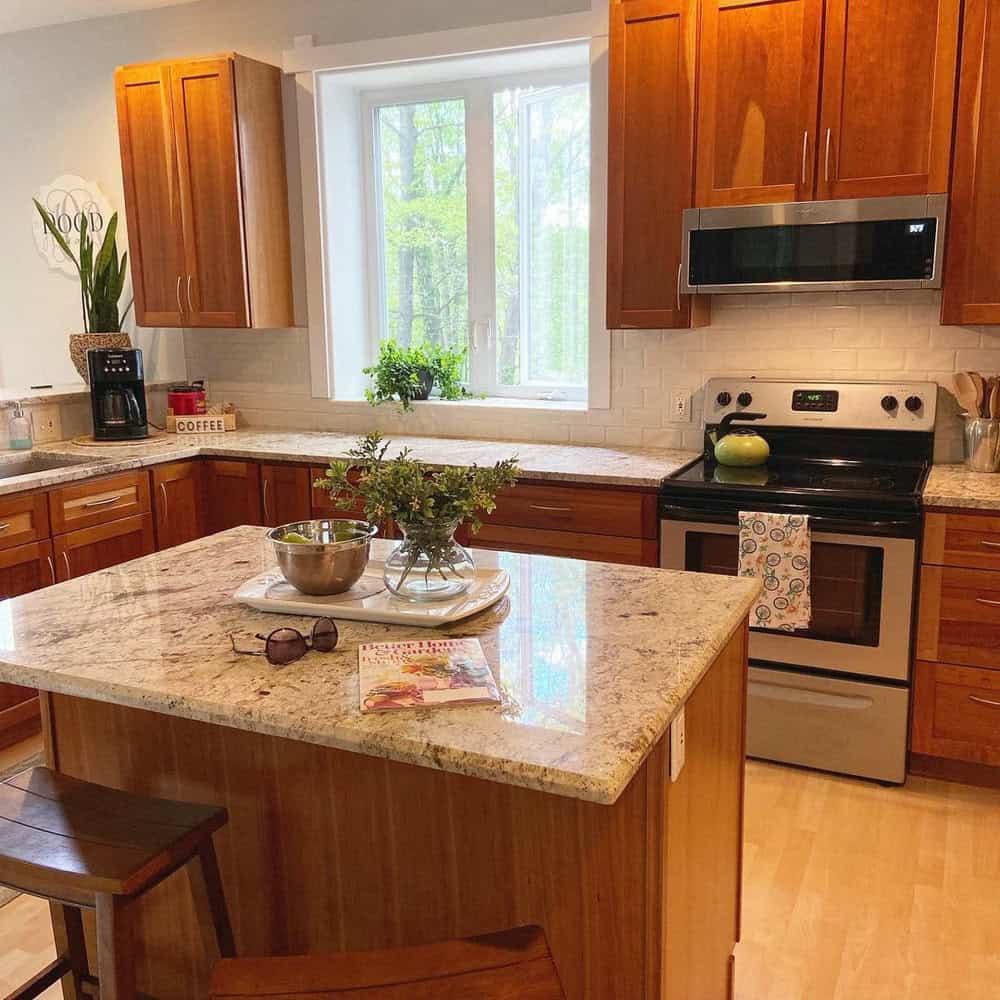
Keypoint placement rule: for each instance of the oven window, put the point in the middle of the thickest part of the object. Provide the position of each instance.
(846, 584)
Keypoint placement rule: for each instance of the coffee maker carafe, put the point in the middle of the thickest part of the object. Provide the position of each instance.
(117, 394)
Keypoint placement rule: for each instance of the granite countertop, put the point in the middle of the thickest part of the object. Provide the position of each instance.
(594, 660)
(956, 486)
(636, 467)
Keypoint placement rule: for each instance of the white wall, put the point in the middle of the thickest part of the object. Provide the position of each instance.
(57, 115)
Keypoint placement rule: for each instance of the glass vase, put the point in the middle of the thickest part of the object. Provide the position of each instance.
(428, 564)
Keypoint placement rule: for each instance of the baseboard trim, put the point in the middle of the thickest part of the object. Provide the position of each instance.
(960, 771)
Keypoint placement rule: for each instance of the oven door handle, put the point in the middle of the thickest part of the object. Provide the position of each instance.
(829, 525)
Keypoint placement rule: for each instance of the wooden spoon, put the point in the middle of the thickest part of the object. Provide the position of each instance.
(965, 393)
(980, 384)
(995, 399)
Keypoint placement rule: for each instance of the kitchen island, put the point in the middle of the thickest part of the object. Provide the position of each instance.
(349, 831)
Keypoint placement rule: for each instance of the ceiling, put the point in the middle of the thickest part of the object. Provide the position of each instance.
(17, 15)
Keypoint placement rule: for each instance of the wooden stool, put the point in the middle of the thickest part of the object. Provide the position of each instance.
(83, 845)
(502, 966)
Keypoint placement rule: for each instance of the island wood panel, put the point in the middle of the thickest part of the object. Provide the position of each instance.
(331, 850)
(286, 494)
(232, 494)
(650, 162)
(758, 104)
(572, 544)
(23, 518)
(971, 540)
(889, 79)
(972, 265)
(152, 199)
(102, 546)
(179, 503)
(22, 570)
(98, 501)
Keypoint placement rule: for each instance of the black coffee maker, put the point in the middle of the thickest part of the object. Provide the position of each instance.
(117, 394)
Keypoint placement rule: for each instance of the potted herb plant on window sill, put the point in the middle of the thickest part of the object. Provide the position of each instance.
(405, 374)
(102, 279)
(428, 564)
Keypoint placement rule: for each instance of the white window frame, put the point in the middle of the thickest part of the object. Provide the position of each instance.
(478, 96)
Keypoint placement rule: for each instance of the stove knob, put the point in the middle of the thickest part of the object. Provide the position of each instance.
(890, 404)
(744, 399)
(724, 398)
(914, 404)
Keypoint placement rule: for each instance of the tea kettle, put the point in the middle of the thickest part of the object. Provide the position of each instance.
(743, 447)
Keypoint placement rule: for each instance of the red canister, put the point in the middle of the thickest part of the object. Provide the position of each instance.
(187, 400)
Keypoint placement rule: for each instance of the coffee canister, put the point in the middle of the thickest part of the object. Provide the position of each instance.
(187, 400)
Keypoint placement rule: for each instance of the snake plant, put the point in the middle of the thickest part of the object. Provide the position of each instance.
(101, 279)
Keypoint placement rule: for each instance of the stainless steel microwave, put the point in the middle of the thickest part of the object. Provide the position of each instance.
(868, 243)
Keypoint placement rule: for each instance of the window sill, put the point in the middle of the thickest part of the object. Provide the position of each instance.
(500, 403)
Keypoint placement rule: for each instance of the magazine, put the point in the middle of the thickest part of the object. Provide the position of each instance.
(423, 673)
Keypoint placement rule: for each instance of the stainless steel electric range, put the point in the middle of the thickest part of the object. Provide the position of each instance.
(853, 456)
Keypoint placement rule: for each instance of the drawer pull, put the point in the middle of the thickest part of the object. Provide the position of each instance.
(52, 569)
(69, 568)
(987, 601)
(990, 545)
(550, 510)
(4, 526)
(104, 502)
(984, 701)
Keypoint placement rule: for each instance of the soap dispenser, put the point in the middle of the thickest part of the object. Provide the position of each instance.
(19, 429)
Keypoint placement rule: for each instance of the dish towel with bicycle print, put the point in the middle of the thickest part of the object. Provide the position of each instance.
(776, 549)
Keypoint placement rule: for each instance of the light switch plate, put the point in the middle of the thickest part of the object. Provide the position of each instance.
(46, 423)
(678, 745)
(680, 406)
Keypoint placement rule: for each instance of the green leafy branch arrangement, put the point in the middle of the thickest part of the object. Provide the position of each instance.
(402, 489)
(409, 373)
(101, 279)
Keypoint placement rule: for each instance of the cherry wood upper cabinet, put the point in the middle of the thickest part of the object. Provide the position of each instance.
(650, 161)
(206, 199)
(888, 97)
(759, 73)
(972, 264)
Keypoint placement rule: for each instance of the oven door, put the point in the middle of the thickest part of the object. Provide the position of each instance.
(861, 589)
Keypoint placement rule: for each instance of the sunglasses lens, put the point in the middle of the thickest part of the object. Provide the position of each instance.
(285, 646)
(325, 636)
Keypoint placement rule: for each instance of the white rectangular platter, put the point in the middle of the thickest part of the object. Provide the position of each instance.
(369, 600)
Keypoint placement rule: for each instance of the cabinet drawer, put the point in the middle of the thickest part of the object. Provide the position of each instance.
(957, 713)
(578, 509)
(959, 616)
(91, 549)
(962, 540)
(99, 501)
(570, 544)
(23, 519)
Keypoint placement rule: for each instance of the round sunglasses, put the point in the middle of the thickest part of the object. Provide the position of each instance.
(286, 645)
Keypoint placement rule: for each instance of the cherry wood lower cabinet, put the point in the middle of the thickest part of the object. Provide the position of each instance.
(286, 494)
(232, 494)
(98, 501)
(23, 519)
(91, 549)
(179, 503)
(328, 850)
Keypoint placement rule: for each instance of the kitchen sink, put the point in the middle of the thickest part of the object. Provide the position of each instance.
(39, 463)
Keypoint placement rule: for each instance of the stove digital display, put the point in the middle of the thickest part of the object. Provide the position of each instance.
(815, 400)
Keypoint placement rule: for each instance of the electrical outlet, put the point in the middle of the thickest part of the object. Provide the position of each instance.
(680, 406)
(678, 745)
(46, 423)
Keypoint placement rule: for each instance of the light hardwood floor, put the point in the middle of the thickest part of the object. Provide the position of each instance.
(851, 892)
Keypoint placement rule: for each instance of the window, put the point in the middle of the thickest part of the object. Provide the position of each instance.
(479, 226)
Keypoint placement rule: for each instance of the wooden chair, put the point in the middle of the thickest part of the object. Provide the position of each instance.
(511, 965)
(83, 845)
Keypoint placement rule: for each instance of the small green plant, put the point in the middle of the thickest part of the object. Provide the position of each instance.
(409, 373)
(101, 279)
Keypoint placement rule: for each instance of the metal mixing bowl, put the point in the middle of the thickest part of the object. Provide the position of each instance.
(324, 566)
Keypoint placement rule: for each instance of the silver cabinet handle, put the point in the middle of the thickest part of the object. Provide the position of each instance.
(180, 306)
(986, 600)
(266, 514)
(826, 167)
(52, 568)
(69, 569)
(190, 306)
(680, 271)
(166, 503)
(984, 701)
(102, 503)
(990, 545)
(550, 510)
(4, 526)
(805, 153)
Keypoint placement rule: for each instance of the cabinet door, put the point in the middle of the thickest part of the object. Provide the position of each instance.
(232, 494)
(286, 491)
(178, 503)
(23, 519)
(152, 200)
(91, 549)
(888, 98)
(650, 154)
(972, 265)
(758, 101)
(22, 570)
(215, 287)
